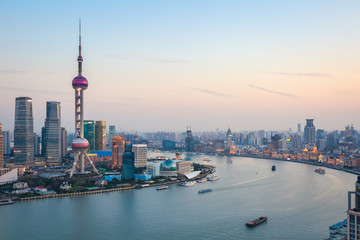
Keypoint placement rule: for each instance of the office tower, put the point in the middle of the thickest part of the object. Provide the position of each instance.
(100, 135)
(6, 142)
(189, 141)
(80, 145)
(37, 144)
(353, 214)
(140, 154)
(43, 143)
(228, 141)
(53, 132)
(118, 148)
(23, 131)
(299, 127)
(309, 132)
(89, 133)
(1, 148)
(128, 168)
(64, 142)
(112, 133)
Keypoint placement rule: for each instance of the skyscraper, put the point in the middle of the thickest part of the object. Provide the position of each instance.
(53, 133)
(309, 132)
(189, 141)
(353, 214)
(100, 135)
(64, 142)
(229, 142)
(112, 133)
(37, 144)
(1, 148)
(128, 167)
(23, 131)
(299, 127)
(80, 145)
(140, 154)
(89, 133)
(6, 141)
(118, 148)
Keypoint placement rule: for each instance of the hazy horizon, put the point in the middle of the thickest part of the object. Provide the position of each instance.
(166, 65)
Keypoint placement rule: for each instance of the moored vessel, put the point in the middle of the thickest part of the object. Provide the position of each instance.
(320, 170)
(162, 188)
(189, 183)
(6, 202)
(202, 180)
(205, 190)
(213, 178)
(256, 222)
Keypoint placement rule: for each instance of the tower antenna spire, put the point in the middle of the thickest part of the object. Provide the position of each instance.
(80, 59)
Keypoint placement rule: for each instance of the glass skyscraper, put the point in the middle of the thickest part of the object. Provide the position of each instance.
(100, 135)
(128, 163)
(53, 132)
(89, 133)
(23, 131)
(1, 148)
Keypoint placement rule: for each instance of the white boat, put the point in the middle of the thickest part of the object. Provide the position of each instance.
(162, 188)
(189, 183)
(6, 202)
(206, 159)
(213, 178)
(202, 180)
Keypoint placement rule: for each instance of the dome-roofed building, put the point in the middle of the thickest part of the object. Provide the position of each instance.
(168, 168)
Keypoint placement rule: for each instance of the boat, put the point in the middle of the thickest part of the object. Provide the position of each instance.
(273, 168)
(202, 180)
(213, 178)
(256, 222)
(206, 159)
(162, 188)
(205, 190)
(320, 170)
(6, 202)
(189, 183)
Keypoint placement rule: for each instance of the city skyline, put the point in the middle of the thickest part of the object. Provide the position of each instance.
(207, 65)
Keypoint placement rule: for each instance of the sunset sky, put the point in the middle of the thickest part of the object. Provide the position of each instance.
(165, 65)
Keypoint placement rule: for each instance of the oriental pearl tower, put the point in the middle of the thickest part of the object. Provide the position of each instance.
(80, 145)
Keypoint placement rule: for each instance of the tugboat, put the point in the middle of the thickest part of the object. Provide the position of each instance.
(256, 222)
(205, 190)
(162, 188)
(320, 170)
(273, 168)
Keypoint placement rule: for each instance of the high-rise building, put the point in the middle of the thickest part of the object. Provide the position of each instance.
(299, 127)
(89, 133)
(189, 141)
(100, 135)
(309, 132)
(37, 144)
(6, 142)
(353, 214)
(53, 132)
(79, 144)
(229, 142)
(64, 142)
(43, 143)
(112, 133)
(128, 167)
(118, 148)
(140, 153)
(23, 131)
(1, 148)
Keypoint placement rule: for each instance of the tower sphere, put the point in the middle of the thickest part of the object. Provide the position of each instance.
(80, 144)
(80, 82)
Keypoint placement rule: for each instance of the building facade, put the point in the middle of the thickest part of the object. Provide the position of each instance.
(189, 141)
(53, 132)
(128, 165)
(100, 135)
(64, 142)
(309, 132)
(6, 142)
(23, 131)
(353, 214)
(140, 153)
(89, 133)
(37, 145)
(118, 148)
(112, 133)
(1, 148)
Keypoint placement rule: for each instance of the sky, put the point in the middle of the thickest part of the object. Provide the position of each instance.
(166, 65)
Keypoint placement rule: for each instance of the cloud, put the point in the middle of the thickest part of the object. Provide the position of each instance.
(34, 90)
(274, 92)
(12, 71)
(166, 60)
(212, 92)
(323, 75)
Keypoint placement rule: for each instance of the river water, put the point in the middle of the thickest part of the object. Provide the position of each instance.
(299, 203)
